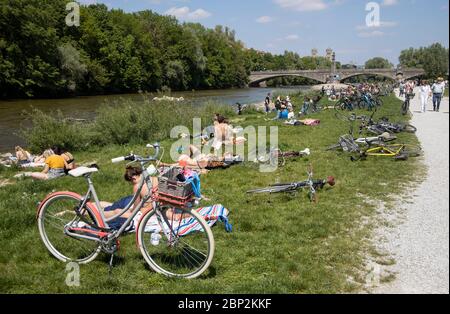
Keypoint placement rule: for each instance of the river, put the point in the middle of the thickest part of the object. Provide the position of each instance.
(12, 119)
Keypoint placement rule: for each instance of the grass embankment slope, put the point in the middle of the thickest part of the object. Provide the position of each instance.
(279, 243)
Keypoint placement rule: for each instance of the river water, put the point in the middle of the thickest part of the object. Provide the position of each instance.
(12, 117)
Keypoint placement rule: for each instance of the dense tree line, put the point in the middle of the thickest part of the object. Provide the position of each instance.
(433, 59)
(111, 51)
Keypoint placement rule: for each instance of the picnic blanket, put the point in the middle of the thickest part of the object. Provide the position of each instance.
(211, 214)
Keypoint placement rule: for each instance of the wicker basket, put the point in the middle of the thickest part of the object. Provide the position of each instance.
(173, 192)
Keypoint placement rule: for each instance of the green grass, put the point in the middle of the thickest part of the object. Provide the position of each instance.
(279, 243)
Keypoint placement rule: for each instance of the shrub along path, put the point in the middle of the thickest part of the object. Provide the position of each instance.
(279, 243)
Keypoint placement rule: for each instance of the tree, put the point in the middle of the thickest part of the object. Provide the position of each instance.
(378, 63)
(433, 59)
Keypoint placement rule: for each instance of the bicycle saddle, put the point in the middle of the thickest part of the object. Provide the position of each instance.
(82, 171)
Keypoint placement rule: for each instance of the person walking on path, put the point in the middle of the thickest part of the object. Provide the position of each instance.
(267, 103)
(425, 94)
(438, 89)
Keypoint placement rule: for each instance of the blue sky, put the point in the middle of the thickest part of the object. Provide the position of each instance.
(300, 25)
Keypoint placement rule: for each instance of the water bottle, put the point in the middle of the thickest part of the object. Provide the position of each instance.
(154, 240)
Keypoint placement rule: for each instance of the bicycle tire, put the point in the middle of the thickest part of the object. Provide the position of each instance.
(334, 147)
(61, 245)
(408, 128)
(274, 189)
(412, 150)
(405, 108)
(179, 255)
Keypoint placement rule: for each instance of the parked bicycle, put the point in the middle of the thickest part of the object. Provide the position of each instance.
(406, 103)
(310, 184)
(369, 102)
(75, 230)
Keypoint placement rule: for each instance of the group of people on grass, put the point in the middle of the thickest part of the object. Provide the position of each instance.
(55, 161)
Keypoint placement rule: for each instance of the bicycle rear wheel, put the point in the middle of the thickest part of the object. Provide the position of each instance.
(409, 128)
(412, 150)
(186, 247)
(54, 219)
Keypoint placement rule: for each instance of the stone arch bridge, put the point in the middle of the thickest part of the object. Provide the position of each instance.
(323, 76)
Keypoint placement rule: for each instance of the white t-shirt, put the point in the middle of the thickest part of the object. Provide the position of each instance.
(425, 90)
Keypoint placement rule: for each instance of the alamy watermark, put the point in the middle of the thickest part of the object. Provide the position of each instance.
(73, 17)
(373, 18)
(73, 274)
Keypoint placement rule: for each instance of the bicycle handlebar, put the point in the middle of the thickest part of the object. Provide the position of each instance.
(137, 158)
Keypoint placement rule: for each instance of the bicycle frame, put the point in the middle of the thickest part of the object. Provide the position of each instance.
(389, 151)
(91, 193)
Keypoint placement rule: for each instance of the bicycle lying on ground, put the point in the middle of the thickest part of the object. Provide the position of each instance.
(375, 146)
(396, 151)
(310, 184)
(376, 127)
(75, 230)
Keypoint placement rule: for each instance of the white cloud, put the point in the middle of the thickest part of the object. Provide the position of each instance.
(387, 3)
(185, 13)
(371, 34)
(292, 37)
(302, 5)
(265, 19)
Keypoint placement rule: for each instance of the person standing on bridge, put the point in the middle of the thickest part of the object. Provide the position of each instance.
(425, 94)
(438, 89)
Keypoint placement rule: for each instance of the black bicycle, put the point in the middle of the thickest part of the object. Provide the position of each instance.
(310, 184)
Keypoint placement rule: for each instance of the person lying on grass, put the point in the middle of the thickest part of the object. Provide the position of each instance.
(133, 175)
(55, 166)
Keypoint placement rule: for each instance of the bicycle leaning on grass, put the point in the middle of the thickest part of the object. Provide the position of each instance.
(75, 230)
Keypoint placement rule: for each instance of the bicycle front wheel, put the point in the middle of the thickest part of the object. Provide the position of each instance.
(55, 217)
(274, 189)
(176, 242)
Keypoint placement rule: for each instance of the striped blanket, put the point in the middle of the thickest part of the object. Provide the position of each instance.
(211, 214)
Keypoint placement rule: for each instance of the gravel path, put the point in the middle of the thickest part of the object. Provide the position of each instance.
(420, 244)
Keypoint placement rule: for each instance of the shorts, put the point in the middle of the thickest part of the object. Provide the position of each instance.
(55, 173)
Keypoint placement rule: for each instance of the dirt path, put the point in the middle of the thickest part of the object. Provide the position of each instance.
(420, 244)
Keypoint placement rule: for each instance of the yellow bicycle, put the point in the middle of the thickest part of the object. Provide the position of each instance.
(397, 151)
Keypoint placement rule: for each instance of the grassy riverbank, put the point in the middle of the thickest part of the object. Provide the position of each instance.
(279, 243)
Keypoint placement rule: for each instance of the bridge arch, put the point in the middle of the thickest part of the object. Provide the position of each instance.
(346, 77)
(256, 81)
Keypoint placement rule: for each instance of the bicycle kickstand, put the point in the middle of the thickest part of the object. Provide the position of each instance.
(111, 264)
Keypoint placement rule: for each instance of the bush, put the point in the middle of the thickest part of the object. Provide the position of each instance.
(126, 123)
(50, 130)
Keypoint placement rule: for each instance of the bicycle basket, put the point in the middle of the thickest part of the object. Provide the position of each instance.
(172, 191)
